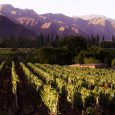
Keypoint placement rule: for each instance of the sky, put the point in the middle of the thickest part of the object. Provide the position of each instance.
(67, 7)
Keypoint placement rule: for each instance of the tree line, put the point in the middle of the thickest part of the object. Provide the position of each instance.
(66, 50)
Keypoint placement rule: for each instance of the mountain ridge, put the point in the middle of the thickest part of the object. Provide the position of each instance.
(10, 29)
(59, 23)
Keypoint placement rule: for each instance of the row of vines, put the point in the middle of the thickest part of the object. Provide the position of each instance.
(68, 90)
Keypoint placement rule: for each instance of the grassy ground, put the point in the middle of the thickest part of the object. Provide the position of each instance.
(11, 50)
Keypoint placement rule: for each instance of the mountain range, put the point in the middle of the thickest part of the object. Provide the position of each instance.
(26, 22)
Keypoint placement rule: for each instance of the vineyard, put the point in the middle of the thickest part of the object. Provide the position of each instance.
(44, 89)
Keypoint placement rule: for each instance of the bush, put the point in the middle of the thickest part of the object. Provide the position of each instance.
(54, 56)
(79, 59)
(91, 61)
(113, 62)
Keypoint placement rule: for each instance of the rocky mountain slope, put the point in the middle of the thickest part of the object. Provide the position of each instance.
(10, 29)
(53, 24)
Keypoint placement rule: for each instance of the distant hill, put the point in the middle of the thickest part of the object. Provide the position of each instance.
(54, 24)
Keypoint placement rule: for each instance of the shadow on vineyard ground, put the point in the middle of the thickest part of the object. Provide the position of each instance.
(5, 91)
(30, 102)
(65, 108)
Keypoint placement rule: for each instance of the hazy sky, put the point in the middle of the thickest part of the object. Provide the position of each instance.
(67, 7)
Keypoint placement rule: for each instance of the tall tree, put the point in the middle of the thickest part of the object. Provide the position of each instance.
(113, 41)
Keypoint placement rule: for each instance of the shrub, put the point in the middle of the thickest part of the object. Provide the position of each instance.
(113, 62)
(91, 61)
